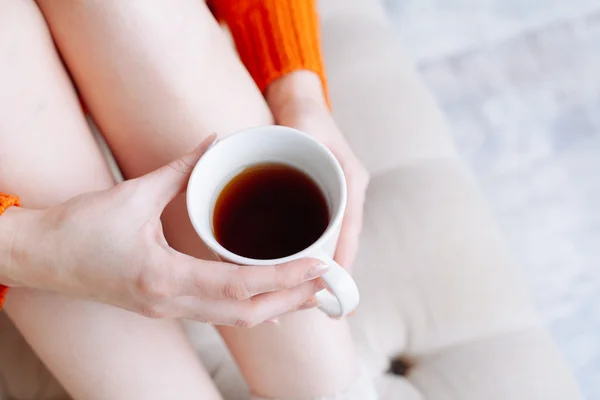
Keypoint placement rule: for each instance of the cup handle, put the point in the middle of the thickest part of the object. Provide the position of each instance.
(342, 297)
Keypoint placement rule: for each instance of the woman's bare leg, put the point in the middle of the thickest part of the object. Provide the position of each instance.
(158, 77)
(47, 155)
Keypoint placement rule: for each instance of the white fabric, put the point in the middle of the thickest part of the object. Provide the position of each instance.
(438, 286)
(362, 389)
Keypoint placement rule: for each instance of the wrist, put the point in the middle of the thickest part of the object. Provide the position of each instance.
(298, 87)
(15, 225)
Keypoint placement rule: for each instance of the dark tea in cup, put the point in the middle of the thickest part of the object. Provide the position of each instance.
(270, 211)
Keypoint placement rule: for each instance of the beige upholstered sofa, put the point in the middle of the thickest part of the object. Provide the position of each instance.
(437, 282)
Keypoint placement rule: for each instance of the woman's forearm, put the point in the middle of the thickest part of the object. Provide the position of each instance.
(300, 86)
(14, 223)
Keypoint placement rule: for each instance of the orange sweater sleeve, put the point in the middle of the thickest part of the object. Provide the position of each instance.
(274, 37)
(5, 202)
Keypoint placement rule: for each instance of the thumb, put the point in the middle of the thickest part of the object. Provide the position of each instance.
(165, 183)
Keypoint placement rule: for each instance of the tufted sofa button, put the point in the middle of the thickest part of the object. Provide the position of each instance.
(398, 367)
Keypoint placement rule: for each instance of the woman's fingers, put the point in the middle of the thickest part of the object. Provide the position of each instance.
(244, 313)
(352, 224)
(312, 302)
(347, 247)
(219, 280)
(270, 305)
(162, 185)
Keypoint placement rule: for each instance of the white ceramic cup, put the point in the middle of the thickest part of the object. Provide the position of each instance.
(228, 157)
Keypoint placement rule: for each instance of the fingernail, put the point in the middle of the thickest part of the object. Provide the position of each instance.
(273, 321)
(316, 272)
(215, 141)
(322, 285)
(310, 303)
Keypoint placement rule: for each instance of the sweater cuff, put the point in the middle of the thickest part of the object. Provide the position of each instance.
(5, 202)
(274, 37)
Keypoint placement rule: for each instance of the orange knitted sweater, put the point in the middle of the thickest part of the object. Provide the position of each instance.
(5, 202)
(273, 37)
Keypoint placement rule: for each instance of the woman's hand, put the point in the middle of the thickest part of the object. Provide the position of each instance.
(109, 246)
(296, 100)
